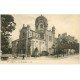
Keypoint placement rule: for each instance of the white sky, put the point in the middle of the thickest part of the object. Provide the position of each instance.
(63, 23)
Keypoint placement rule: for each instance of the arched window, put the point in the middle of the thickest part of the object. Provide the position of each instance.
(23, 34)
(41, 25)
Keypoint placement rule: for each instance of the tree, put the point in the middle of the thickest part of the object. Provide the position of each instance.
(66, 42)
(7, 26)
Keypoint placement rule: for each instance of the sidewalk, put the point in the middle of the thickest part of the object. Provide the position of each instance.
(71, 59)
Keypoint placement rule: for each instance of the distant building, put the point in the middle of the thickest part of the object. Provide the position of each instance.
(41, 38)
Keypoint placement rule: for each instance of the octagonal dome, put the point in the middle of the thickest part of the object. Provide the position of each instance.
(40, 19)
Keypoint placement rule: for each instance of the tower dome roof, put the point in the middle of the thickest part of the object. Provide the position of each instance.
(41, 18)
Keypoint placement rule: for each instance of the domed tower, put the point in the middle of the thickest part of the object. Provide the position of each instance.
(41, 24)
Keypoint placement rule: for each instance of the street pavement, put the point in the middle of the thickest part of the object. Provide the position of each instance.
(71, 59)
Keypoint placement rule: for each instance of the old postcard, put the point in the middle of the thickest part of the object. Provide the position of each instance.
(40, 38)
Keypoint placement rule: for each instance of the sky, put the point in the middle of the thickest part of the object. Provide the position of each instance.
(63, 23)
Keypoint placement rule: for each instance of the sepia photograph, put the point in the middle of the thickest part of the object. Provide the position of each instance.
(40, 39)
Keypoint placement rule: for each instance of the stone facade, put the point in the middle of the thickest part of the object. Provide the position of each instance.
(41, 38)
(15, 48)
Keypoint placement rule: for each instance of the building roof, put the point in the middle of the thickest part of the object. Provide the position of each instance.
(41, 18)
(15, 40)
(37, 38)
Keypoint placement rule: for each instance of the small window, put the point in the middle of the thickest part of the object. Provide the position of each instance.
(23, 34)
(36, 35)
(30, 34)
(41, 26)
(50, 38)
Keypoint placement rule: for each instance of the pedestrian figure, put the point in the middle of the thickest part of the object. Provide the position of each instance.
(23, 57)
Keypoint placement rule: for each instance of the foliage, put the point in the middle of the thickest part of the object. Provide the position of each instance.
(7, 26)
(65, 42)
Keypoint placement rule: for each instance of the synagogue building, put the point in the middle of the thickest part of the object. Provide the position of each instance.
(41, 38)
